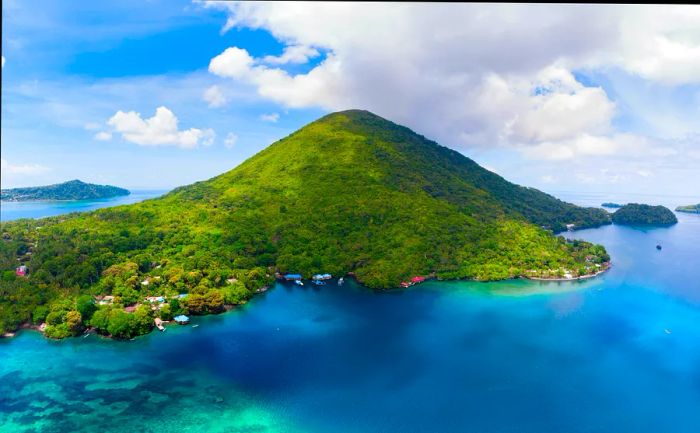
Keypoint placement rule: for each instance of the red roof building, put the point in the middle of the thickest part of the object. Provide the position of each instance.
(415, 280)
(21, 271)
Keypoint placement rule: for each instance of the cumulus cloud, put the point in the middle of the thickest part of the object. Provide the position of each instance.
(21, 169)
(214, 97)
(271, 117)
(159, 130)
(293, 54)
(487, 75)
(230, 140)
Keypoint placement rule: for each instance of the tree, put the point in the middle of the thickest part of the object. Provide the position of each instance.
(74, 322)
(85, 304)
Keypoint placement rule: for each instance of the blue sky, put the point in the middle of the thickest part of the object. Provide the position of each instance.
(156, 94)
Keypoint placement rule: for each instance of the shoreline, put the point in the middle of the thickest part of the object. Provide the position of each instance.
(227, 308)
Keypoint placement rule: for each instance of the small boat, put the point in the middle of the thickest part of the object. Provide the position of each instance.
(668, 331)
(298, 282)
(194, 326)
(341, 281)
(319, 283)
(658, 246)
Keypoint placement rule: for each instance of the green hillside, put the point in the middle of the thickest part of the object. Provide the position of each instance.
(351, 192)
(71, 190)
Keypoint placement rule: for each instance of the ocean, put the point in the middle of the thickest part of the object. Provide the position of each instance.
(617, 353)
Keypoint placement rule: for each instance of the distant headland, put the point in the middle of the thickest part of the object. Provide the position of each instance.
(644, 214)
(71, 190)
(693, 208)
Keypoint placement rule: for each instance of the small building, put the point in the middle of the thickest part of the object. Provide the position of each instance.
(181, 319)
(570, 227)
(416, 280)
(21, 271)
(292, 277)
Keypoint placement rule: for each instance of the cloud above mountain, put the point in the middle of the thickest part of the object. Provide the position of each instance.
(470, 75)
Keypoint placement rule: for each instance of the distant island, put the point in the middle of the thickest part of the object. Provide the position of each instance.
(71, 190)
(643, 214)
(693, 208)
(612, 205)
(351, 194)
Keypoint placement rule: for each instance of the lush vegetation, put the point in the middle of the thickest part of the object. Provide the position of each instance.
(643, 214)
(693, 208)
(350, 192)
(72, 190)
(612, 205)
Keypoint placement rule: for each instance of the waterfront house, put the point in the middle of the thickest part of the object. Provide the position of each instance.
(182, 319)
(292, 277)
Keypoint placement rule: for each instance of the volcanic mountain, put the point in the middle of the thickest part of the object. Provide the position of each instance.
(350, 192)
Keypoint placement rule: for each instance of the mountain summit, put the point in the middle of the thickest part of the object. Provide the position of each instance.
(350, 192)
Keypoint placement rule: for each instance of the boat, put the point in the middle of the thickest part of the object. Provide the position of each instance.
(341, 281)
(319, 283)
(658, 246)
(298, 282)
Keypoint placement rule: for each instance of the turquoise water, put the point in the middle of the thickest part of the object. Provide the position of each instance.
(38, 209)
(619, 353)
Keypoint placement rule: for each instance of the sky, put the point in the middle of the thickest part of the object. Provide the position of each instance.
(160, 93)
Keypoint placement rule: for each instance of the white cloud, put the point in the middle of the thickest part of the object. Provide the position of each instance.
(293, 54)
(22, 169)
(3, 61)
(491, 75)
(230, 140)
(271, 117)
(214, 97)
(103, 136)
(159, 130)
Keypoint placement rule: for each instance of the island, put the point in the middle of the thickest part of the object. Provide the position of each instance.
(643, 214)
(350, 195)
(693, 208)
(612, 205)
(71, 190)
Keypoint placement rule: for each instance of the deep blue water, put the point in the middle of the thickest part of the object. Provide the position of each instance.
(38, 209)
(619, 353)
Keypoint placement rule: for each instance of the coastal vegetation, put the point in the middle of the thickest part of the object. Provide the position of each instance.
(351, 192)
(693, 208)
(71, 190)
(643, 214)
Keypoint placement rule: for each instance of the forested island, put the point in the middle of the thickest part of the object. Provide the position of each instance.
(349, 194)
(643, 214)
(693, 208)
(612, 205)
(71, 190)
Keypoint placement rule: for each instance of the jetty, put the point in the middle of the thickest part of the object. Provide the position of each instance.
(159, 324)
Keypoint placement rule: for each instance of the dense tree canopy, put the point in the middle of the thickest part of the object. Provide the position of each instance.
(643, 214)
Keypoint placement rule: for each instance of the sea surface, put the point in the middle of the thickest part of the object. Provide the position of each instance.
(12, 210)
(618, 353)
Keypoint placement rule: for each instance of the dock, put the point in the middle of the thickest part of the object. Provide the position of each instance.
(159, 324)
